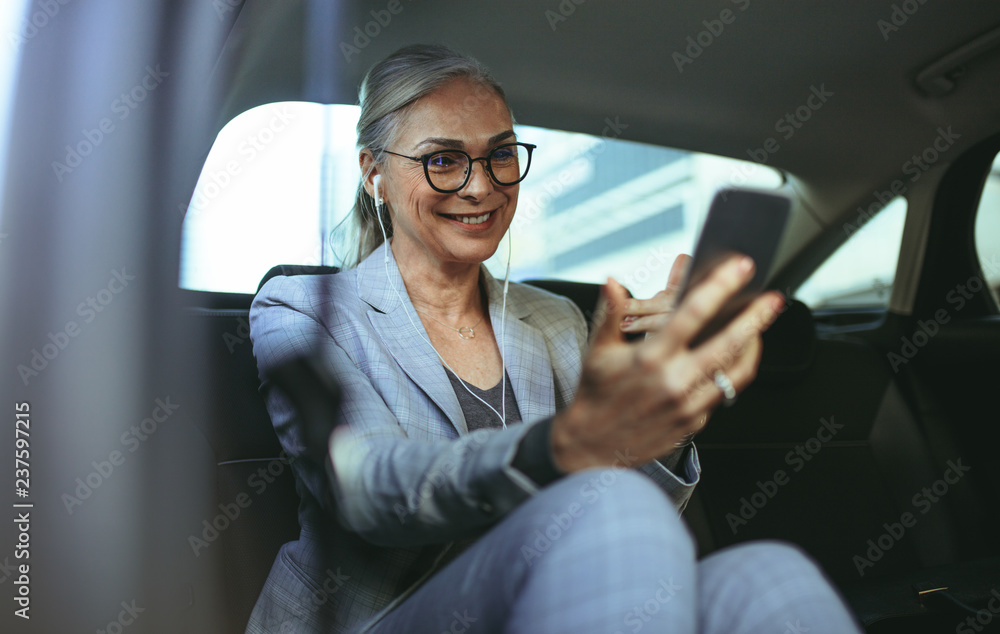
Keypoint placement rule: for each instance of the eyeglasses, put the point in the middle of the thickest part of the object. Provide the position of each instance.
(448, 171)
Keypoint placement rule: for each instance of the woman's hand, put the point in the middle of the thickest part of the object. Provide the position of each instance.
(640, 399)
(645, 315)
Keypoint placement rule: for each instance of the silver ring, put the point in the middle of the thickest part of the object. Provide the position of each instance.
(724, 383)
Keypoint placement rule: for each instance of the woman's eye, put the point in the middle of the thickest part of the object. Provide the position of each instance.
(503, 154)
(443, 161)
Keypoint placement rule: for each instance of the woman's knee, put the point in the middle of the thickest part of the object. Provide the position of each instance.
(774, 556)
(758, 586)
(610, 489)
(613, 535)
(609, 501)
(762, 564)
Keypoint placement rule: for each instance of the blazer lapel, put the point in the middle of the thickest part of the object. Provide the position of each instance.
(525, 352)
(400, 330)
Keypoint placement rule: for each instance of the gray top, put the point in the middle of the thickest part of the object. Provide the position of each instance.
(477, 415)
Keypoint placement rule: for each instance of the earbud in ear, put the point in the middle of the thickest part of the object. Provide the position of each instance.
(376, 181)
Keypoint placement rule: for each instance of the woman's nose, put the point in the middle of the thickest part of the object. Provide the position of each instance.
(480, 182)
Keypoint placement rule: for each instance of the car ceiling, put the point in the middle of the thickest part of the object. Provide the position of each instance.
(572, 65)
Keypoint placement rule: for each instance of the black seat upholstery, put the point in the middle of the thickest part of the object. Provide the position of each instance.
(792, 449)
(296, 269)
(824, 451)
(249, 466)
(584, 295)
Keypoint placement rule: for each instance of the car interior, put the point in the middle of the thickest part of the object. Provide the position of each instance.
(866, 438)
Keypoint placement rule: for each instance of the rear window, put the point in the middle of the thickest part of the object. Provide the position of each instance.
(988, 229)
(280, 178)
(860, 273)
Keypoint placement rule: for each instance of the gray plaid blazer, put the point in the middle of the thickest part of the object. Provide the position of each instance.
(412, 485)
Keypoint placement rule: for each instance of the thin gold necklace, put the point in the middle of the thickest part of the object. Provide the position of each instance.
(465, 332)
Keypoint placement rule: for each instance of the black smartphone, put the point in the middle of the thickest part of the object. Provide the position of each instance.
(746, 221)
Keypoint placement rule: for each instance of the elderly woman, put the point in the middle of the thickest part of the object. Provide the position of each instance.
(493, 472)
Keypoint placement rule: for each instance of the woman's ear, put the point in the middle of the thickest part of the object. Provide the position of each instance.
(369, 171)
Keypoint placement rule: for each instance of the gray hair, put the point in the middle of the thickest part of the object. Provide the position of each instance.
(388, 90)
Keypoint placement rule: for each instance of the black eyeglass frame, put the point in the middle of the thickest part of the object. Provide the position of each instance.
(424, 159)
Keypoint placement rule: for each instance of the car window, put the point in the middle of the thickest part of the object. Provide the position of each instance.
(273, 191)
(860, 273)
(988, 229)
(15, 21)
(259, 196)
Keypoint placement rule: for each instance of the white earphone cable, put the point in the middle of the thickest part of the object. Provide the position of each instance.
(379, 205)
(503, 339)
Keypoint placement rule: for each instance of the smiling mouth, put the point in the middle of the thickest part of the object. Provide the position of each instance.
(471, 220)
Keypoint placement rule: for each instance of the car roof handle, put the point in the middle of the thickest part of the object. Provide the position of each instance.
(938, 79)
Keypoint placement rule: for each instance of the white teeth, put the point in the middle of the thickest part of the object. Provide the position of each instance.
(475, 220)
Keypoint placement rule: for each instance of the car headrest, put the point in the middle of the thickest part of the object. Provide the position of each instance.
(296, 269)
(585, 295)
(789, 344)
